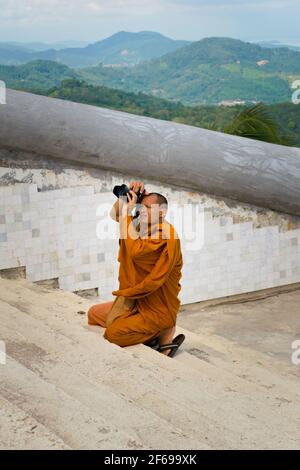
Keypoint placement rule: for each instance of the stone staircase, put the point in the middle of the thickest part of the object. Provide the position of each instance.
(65, 387)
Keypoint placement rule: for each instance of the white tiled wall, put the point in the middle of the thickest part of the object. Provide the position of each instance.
(54, 235)
(242, 259)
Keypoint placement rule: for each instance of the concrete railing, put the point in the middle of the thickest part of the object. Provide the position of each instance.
(249, 171)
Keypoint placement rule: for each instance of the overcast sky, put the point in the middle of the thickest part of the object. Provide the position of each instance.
(92, 20)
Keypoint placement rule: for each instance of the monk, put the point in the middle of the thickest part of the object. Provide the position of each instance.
(147, 303)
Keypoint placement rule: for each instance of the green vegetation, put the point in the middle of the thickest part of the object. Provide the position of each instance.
(259, 122)
(207, 72)
(184, 86)
(36, 76)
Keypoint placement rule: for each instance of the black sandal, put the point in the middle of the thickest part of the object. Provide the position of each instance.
(154, 343)
(177, 341)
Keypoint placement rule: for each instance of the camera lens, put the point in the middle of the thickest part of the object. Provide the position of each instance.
(120, 190)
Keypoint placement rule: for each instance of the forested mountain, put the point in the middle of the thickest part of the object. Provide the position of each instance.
(208, 72)
(35, 76)
(205, 72)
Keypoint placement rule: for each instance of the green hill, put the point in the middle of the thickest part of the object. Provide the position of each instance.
(207, 72)
(36, 76)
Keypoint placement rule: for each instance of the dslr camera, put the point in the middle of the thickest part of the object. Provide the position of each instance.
(122, 190)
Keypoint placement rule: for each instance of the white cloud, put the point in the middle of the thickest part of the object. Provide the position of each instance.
(188, 19)
(200, 3)
(94, 6)
(47, 9)
(134, 7)
(55, 9)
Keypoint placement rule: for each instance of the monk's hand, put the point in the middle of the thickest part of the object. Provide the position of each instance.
(138, 187)
(128, 206)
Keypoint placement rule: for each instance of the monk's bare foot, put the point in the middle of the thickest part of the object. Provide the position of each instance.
(166, 338)
(166, 352)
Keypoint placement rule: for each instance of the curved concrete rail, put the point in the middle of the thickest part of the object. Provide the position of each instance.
(249, 171)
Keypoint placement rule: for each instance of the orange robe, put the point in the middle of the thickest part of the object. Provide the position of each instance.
(149, 275)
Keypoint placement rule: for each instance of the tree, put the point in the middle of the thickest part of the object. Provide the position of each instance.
(257, 123)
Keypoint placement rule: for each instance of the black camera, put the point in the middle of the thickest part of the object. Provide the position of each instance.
(122, 190)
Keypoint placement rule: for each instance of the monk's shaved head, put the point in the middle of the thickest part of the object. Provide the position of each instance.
(153, 208)
(159, 198)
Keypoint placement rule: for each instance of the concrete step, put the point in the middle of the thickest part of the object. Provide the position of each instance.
(271, 413)
(19, 431)
(239, 429)
(42, 351)
(246, 364)
(229, 380)
(63, 307)
(110, 365)
(277, 396)
(148, 396)
(252, 366)
(63, 415)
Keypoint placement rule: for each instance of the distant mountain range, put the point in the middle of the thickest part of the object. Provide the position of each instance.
(276, 44)
(43, 46)
(209, 71)
(206, 72)
(122, 48)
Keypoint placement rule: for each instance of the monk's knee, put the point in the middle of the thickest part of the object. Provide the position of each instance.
(91, 316)
(113, 335)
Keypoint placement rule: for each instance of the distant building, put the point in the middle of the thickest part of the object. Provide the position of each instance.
(231, 102)
(262, 62)
(117, 65)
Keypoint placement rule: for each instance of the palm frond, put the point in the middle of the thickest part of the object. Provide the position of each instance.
(257, 123)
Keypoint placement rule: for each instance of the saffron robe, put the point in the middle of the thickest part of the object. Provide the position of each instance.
(149, 274)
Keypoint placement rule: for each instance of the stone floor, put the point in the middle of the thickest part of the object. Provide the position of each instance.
(268, 325)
